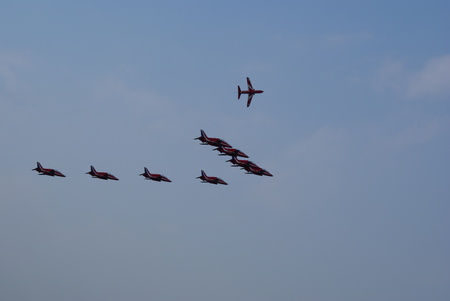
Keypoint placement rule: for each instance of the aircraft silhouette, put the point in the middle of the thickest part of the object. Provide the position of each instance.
(101, 175)
(211, 141)
(251, 92)
(228, 151)
(154, 176)
(241, 163)
(47, 171)
(249, 166)
(212, 180)
(257, 171)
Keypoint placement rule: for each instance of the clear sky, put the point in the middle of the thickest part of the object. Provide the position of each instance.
(353, 124)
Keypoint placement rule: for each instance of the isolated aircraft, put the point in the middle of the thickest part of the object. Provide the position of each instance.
(250, 92)
(47, 171)
(101, 175)
(212, 180)
(154, 176)
(228, 151)
(211, 141)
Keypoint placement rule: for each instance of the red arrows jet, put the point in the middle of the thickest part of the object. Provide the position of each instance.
(250, 92)
(242, 163)
(250, 167)
(228, 151)
(211, 141)
(257, 171)
(154, 176)
(212, 180)
(47, 171)
(101, 175)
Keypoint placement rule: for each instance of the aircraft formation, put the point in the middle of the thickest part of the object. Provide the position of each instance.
(99, 174)
(226, 149)
(220, 145)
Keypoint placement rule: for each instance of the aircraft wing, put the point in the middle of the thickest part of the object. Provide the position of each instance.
(111, 177)
(249, 100)
(249, 84)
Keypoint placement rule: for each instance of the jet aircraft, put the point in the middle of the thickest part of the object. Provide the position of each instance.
(257, 171)
(242, 163)
(212, 180)
(251, 92)
(211, 141)
(249, 166)
(228, 151)
(154, 176)
(47, 171)
(101, 175)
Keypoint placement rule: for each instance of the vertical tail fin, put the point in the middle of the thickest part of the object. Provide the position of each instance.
(239, 92)
(39, 166)
(204, 174)
(93, 169)
(202, 132)
(146, 170)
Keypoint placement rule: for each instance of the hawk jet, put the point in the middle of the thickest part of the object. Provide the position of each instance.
(47, 171)
(154, 176)
(212, 180)
(257, 171)
(211, 141)
(241, 163)
(250, 92)
(101, 175)
(228, 151)
(249, 166)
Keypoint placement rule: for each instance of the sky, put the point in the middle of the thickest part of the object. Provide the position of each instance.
(353, 124)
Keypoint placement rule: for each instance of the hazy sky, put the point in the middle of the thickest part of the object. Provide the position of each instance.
(354, 124)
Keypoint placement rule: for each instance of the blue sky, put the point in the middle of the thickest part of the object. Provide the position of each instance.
(353, 124)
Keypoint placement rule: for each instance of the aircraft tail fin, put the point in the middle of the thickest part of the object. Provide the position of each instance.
(146, 170)
(201, 176)
(202, 132)
(38, 165)
(93, 169)
(239, 92)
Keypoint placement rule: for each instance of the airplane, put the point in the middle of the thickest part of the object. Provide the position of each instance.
(257, 171)
(249, 166)
(228, 151)
(250, 92)
(154, 176)
(47, 171)
(211, 141)
(101, 175)
(212, 180)
(242, 163)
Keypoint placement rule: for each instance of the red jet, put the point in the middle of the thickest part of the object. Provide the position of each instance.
(228, 151)
(47, 171)
(242, 163)
(154, 176)
(250, 92)
(101, 175)
(250, 167)
(257, 171)
(211, 141)
(212, 180)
